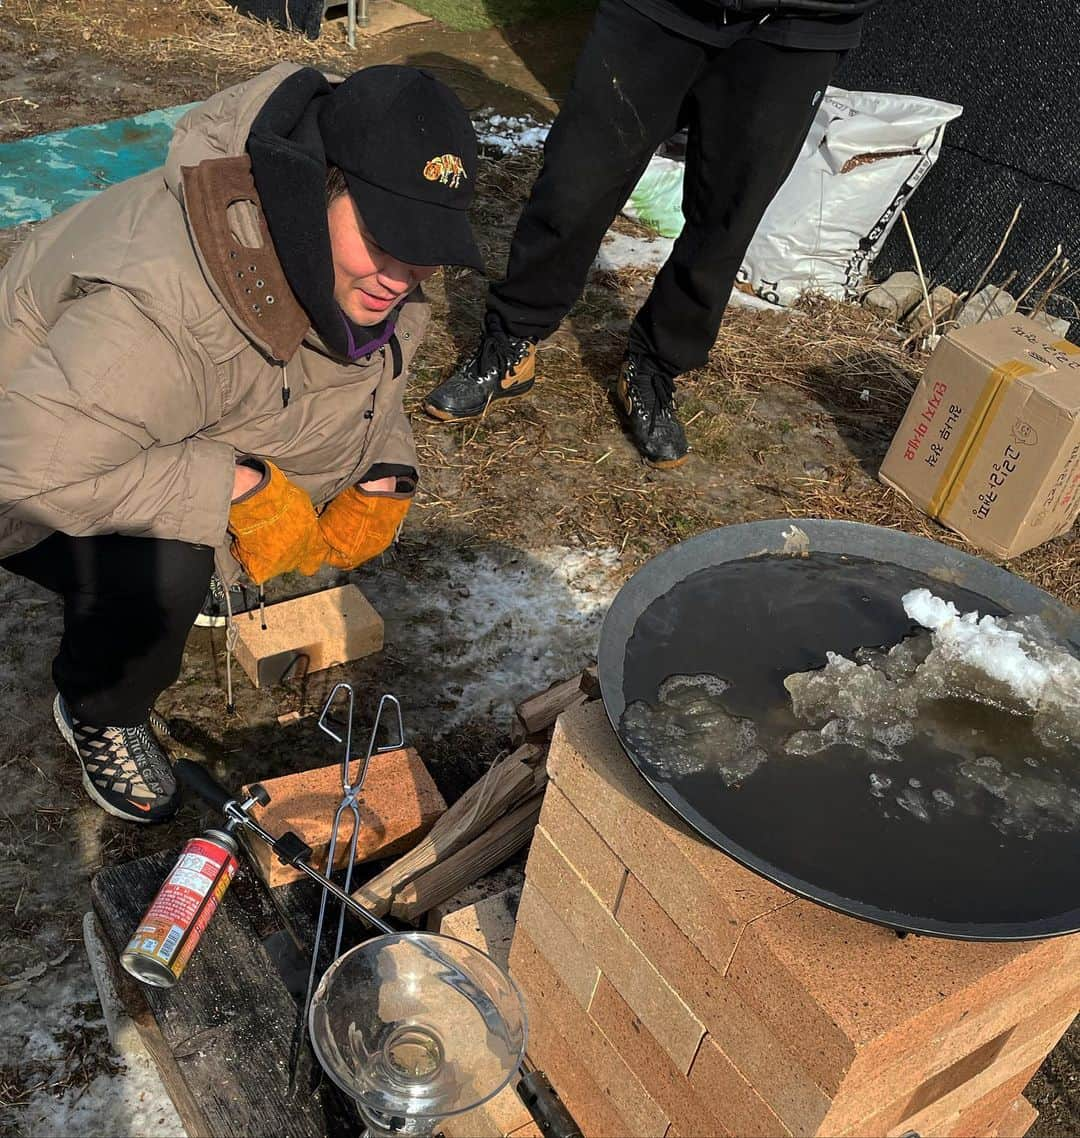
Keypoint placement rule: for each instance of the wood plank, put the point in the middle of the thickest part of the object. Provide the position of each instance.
(495, 845)
(225, 1037)
(539, 712)
(505, 784)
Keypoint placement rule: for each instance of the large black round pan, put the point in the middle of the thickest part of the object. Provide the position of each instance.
(810, 825)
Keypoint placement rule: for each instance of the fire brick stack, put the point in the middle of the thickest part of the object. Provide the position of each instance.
(672, 992)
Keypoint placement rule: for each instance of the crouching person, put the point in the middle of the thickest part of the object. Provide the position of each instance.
(204, 365)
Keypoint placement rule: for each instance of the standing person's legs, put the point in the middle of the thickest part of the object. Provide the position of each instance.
(129, 604)
(629, 84)
(748, 114)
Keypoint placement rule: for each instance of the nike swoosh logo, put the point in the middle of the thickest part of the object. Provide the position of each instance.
(139, 806)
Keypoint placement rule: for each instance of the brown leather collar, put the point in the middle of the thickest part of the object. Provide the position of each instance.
(250, 279)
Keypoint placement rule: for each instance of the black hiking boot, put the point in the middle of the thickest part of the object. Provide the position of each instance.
(213, 614)
(124, 769)
(645, 396)
(501, 367)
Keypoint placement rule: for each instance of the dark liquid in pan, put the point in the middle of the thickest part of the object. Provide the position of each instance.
(974, 820)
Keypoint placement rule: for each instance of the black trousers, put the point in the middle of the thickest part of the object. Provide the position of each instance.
(747, 107)
(129, 603)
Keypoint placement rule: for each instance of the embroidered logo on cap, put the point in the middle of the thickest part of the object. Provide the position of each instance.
(446, 169)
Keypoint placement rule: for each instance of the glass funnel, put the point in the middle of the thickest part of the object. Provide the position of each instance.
(417, 1026)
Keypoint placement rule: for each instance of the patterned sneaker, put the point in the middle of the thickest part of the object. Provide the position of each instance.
(214, 611)
(501, 367)
(646, 397)
(124, 769)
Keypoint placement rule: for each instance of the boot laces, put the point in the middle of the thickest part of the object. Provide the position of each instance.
(493, 354)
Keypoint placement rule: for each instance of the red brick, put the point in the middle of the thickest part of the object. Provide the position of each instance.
(710, 896)
(398, 806)
(590, 1107)
(503, 1115)
(586, 1043)
(983, 1117)
(573, 964)
(671, 1090)
(834, 988)
(1018, 1120)
(745, 1038)
(672, 1023)
(742, 1110)
(582, 847)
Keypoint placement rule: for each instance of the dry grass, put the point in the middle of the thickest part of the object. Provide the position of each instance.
(207, 37)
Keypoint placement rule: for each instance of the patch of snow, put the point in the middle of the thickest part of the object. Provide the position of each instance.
(498, 625)
(509, 133)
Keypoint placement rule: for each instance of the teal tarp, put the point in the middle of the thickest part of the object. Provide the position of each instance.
(46, 173)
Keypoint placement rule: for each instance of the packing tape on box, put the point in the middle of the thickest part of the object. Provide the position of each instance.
(1065, 346)
(952, 477)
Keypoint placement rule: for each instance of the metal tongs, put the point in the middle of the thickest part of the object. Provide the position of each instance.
(342, 732)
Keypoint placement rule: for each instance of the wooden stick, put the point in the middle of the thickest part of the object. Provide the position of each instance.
(539, 712)
(919, 269)
(498, 842)
(1039, 276)
(1000, 249)
(505, 784)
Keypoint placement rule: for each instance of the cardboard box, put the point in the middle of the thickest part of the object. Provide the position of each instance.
(990, 443)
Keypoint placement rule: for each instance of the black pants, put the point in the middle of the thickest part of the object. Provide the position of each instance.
(747, 107)
(129, 603)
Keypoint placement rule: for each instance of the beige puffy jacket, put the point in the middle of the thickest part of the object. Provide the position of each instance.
(135, 365)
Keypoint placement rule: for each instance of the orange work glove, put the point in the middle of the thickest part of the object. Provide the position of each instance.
(275, 529)
(358, 526)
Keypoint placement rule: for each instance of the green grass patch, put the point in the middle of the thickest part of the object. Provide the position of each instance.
(472, 15)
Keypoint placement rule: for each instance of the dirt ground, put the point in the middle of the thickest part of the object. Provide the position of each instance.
(526, 523)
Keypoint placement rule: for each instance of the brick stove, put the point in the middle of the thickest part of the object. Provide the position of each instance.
(672, 992)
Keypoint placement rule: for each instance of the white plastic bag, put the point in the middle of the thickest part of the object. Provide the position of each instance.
(862, 160)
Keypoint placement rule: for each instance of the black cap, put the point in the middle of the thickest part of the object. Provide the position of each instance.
(407, 149)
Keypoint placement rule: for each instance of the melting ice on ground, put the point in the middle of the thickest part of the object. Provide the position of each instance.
(689, 731)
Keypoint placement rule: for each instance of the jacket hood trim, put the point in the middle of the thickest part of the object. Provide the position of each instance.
(250, 281)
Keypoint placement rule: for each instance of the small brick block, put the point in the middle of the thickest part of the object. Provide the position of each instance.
(586, 1043)
(582, 846)
(1018, 1120)
(488, 925)
(744, 1036)
(398, 805)
(572, 962)
(307, 634)
(510, 877)
(711, 897)
(744, 1111)
(667, 1017)
(499, 1117)
(688, 1111)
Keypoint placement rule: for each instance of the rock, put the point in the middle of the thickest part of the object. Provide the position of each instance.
(1057, 324)
(942, 300)
(987, 304)
(900, 293)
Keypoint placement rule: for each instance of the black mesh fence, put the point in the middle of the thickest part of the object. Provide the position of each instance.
(1015, 69)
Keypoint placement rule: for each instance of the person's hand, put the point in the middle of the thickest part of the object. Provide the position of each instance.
(362, 521)
(275, 529)
(245, 479)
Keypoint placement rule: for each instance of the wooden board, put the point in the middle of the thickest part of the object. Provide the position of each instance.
(225, 1038)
